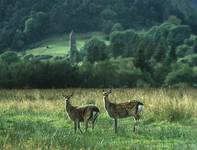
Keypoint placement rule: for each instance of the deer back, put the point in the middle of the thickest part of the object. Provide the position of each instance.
(76, 113)
(122, 110)
(89, 111)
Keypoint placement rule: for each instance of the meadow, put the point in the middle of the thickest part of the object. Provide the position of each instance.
(36, 119)
(59, 45)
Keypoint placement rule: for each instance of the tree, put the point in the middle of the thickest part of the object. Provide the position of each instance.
(160, 50)
(117, 27)
(95, 50)
(174, 20)
(31, 25)
(35, 26)
(181, 73)
(117, 40)
(140, 60)
(195, 47)
(9, 57)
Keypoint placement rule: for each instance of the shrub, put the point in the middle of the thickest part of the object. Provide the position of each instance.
(9, 57)
(117, 27)
(182, 74)
(94, 50)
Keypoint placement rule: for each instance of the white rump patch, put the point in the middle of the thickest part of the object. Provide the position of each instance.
(95, 114)
(140, 108)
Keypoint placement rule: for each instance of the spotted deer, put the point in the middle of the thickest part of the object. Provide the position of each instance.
(78, 114)
(122, 110)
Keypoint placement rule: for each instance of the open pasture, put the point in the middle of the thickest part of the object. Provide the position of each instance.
(36, 119)
(59, 45)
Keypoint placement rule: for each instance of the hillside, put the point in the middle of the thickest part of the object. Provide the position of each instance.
(59, 45)
(28, 21)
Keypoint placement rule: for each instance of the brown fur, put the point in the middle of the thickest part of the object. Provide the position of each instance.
(81, 114)
(121, 110)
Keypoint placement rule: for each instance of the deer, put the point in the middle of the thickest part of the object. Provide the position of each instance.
(86, 114)
(122, 110)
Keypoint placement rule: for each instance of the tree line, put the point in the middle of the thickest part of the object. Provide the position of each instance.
(164, 55)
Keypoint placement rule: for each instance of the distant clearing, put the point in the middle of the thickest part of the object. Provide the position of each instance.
(59, 45)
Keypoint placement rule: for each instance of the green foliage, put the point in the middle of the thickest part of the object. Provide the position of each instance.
(48, 17)
(117, 27)
(195, 76)
(9, 57)
(35, 74)
(181, 73)
(35, 25)
(195, 47)
(174, 20)
(160, 71)
(160, 51)
(108, 14)
(30, 25)
(182, 50)
(104, 74)
(191, 60)
(94, 50)
(178, 35)
(107, 26)
(140, 60)
(124, 43)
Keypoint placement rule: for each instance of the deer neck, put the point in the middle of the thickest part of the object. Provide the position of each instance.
(69, 106)
(106, 101)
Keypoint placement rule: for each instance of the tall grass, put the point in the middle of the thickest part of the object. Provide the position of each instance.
(164, 104)
(36, 119)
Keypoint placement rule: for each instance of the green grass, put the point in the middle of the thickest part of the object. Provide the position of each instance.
(59, 45)
(36, 119)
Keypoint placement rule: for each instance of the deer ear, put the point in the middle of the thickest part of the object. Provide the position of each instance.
(110, 90)
(72, 94)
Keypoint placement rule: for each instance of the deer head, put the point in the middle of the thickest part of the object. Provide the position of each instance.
(107, 92)
(67, 97)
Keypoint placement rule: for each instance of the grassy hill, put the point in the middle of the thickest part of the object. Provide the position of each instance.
(59, 45)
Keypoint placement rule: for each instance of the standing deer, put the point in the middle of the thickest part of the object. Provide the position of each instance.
(81, 114)
(122, 110)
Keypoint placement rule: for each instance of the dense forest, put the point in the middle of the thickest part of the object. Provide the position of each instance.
(152, 43)
(26, 21)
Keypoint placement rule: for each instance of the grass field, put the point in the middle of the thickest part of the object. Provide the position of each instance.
(36, 119)
(59, 45)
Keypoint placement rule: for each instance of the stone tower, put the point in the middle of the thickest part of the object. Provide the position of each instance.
(73, 47)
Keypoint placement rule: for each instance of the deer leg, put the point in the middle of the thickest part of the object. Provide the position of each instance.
(134, 126)
(75, 126)
(116, 131)
(92, 125)
(86, 125)
(79, 127)
(93, 121)
(135, 123)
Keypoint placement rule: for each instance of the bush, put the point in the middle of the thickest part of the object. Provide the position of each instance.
(182, 50)
(94, 50)
(9, 57)
(191, 60)
(181, 73)
(117, 27)
(194, 76)
(124, 43)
